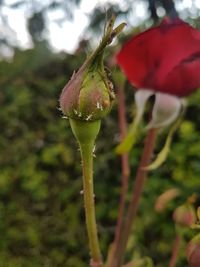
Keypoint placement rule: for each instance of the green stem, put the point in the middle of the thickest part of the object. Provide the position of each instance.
(87, 165)
(86, 133)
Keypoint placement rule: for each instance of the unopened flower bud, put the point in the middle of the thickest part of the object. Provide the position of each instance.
(88, 95)
(193, 252)
(184, 215)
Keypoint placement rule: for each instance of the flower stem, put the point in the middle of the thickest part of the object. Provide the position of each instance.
(86, 133)
(125, 170)
(136, 195)
(87, 165)
(175, 251)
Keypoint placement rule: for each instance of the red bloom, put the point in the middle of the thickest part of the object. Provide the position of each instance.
(164, 59)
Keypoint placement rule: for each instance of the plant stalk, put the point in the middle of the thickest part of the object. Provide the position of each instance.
(141, 176)
(88, 189)
(125, 170)
(175, 251)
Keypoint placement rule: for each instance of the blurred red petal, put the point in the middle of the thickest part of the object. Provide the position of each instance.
(165, 58)
(184, 78)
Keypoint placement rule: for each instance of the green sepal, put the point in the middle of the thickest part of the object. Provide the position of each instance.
(118, 29)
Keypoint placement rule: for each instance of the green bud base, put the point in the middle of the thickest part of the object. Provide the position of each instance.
(85, 132)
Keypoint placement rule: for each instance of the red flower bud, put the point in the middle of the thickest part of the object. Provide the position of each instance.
(165, 58)
(193, 252)
(184, 215)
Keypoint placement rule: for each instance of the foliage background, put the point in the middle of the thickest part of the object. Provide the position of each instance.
(41, 208)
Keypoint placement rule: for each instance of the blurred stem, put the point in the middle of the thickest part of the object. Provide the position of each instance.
(175, 251)
(87, 165)
(136, 195)
(125, 170)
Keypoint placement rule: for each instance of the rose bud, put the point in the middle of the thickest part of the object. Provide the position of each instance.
(88, 95)
(193, 252)
(184, 215)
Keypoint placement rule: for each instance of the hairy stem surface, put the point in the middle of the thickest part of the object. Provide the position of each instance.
(87, 165)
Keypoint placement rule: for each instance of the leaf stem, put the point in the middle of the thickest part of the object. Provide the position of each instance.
(88, 188)
(136, 195)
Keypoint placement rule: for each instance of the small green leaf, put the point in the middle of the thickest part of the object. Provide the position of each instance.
(141, 98)
(162, 155)
(131, 137)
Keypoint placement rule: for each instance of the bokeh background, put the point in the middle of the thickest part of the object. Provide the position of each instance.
(41, 207)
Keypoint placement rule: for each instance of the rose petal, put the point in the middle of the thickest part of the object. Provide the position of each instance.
(156, 58)
(165, 111)
(184, 78)
(141, 98)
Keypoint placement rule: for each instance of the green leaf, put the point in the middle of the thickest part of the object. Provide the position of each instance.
(162, 155)
(131, 137)
(141, 98)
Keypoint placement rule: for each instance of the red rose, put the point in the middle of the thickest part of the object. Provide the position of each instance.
(164, 59)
